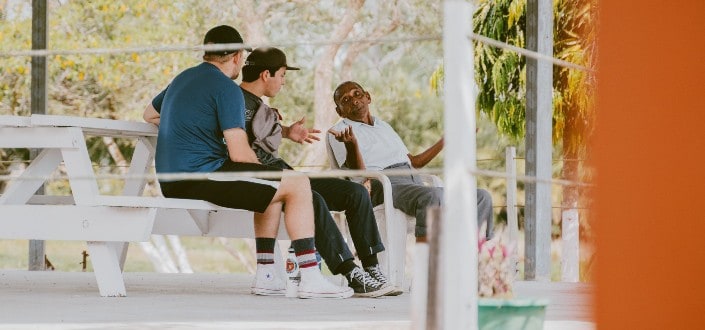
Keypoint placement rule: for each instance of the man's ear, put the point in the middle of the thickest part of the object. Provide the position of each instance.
(369, 98)
(264, 75)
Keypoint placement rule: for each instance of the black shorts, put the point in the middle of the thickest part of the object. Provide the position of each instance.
(247, 194)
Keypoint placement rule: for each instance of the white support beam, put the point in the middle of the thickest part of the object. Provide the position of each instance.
(21, 190)
(512, 214)
(79, 168)
(106, 266)
(142, 159)
(570, 257)
(458, 243)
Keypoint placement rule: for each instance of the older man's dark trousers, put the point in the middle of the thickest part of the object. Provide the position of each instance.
(352, 198)
(333, 194)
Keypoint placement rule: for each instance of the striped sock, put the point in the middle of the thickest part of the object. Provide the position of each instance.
(305, 252)
(265, 250)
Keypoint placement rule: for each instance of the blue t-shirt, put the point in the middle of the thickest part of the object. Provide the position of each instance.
(195, 109)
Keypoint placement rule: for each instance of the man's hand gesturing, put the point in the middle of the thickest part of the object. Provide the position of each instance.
(345, 136)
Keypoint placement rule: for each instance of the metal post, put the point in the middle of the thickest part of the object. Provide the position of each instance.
(38, 104)
(512, 217)
(539, 111)
(458, 264)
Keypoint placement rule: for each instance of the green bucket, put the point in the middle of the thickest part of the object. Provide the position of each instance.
(511, 314)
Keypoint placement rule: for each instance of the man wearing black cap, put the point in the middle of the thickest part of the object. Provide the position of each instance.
(201, 108)
(264, 75)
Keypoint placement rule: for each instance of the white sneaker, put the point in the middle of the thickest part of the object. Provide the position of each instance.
(314, 285)
(266, 282)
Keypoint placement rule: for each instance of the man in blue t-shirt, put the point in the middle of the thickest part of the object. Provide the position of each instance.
(201, 108)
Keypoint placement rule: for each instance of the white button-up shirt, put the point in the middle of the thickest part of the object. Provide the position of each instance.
(380, 146)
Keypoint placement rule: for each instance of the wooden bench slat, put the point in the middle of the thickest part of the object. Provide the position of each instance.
(76, 223)
(155, 202)
(97, 126)
(14, 121)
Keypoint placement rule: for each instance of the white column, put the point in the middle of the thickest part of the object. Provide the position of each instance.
(570, 257)
(512, 214)
(458, 262)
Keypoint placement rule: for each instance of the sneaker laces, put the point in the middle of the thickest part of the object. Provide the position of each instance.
(364, 277)
(377, 274)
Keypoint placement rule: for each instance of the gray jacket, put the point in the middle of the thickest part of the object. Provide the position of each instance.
(267, 129)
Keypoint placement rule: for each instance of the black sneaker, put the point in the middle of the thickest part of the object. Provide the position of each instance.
(364, 285)
(376, 273)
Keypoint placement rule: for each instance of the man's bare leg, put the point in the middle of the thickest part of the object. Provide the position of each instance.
(295, 194)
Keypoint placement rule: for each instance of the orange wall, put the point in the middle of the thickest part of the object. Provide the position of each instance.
(650, 156)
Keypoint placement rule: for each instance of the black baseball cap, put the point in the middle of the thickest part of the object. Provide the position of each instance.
(268, 57)
(223, 34)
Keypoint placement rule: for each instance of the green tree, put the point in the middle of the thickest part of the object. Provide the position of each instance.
(120, 85)
(116, 86)
(502, 77)
(309, 91)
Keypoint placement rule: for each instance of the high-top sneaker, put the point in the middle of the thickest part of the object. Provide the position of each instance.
(314, 285)
(366, 286)
(376, 273)
(266, 282)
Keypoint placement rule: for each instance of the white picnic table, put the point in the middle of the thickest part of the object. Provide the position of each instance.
(106, 222)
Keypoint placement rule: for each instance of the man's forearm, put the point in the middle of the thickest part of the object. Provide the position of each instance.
(425, 157)
(353, 159)
(245, 158)
(238, 147)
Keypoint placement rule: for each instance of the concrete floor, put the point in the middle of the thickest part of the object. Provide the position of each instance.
(59, 300)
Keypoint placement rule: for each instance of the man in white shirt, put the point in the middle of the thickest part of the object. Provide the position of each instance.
(361, 141)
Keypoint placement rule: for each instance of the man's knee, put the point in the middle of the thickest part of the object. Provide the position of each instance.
(433, 197)
(295, 178)
(293, 182)
(359, 193)
(376, 192)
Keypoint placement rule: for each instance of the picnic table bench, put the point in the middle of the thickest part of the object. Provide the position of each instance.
(107, 223)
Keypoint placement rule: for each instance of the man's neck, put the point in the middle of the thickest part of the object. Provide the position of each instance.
(365, 120)
(253, 88)
(222, 67)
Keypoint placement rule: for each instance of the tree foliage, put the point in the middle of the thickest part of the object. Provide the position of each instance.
(120, 85)
(502, 73)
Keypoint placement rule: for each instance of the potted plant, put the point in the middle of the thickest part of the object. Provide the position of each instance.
(497, 309)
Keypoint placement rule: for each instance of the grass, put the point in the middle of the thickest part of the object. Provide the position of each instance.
(206, 255)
